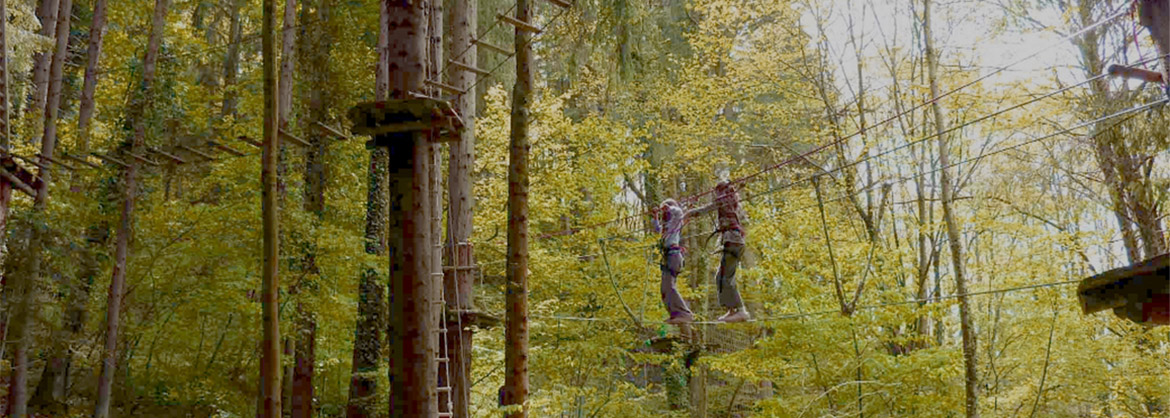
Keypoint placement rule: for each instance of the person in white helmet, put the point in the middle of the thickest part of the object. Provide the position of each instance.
(732, 235)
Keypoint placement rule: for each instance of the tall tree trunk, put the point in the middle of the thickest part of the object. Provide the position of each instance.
(270, 384)
(953, 234)
(47, 14)
(316, 56)
(287, 64)
(97, 31)
(516, 328)
(442, 331)
(231, 62)
(413, 362)
(25, 288)
(142, 100)
(284, 104)
(367, 349)
(49, 396)
(50, 392)
(460, 200)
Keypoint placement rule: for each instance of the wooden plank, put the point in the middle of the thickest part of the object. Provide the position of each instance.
(110, 159)
(81, 160)
(561, 3)
(418, 95)
(30, 161)
(171, 156)
(493, 47)
(145, 160)
(250, 141)
(519, 24)
(197, 152)
(226, 148)
(24, 187)
(445, 87)
(57, 162)
(464, 67)
(1135, 73)
(294, 138)
(332, 130)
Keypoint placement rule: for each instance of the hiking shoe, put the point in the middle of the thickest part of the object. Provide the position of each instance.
(740, 315)
(682, 318)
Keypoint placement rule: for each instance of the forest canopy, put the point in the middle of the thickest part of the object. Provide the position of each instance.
(923, 185)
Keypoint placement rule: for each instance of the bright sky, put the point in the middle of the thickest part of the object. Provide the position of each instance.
(973, 34)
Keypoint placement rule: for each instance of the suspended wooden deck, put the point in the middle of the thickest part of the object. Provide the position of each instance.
(1140, 292)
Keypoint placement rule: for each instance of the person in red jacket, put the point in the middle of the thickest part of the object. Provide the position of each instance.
(732, 235)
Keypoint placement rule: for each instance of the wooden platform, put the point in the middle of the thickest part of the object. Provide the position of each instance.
(1140, 292)
(395, 120)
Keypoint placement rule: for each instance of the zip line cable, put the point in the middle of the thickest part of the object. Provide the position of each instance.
(895, 149)
(1128, 113)
(863, 129)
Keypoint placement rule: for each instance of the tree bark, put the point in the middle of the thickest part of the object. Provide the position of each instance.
(367, 350)
(284, 100)
(954, 236)
(413, 363)
(25, 292)
(270, 379)
(315, 51)
(458, 282)
(137, 117)
(50, 392)
(284, 111)
(47, 13)
(516, 329)
(97, 31)
(231, 62)
(442, 331)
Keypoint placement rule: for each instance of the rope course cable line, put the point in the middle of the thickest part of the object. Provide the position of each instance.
(784, 317)
(687, 199)
(886, 152)
(1129, 113)
(492, 71)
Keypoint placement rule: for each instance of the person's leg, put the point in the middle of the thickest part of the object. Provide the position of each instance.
(728, 293)
(674, 302)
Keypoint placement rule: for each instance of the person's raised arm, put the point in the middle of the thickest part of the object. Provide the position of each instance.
(701, 210)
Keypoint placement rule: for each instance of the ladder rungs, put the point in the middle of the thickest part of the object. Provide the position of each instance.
(164, 154)
(144, 159)
(446, 415)
(332, 130)
(197, 152)
(493, 47)
(561, 3)
(445, 87)
(80, 160)
(519, 24)
(295, 138)
(110, 159)
(445, 389)
(443, 359)
(226, 148)
(465, 67)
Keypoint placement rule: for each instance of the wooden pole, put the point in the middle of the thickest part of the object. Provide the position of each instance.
(270, 379)
(516, 328)
(414, 368)
(458, 283)
(141, 100)
(953, 235)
